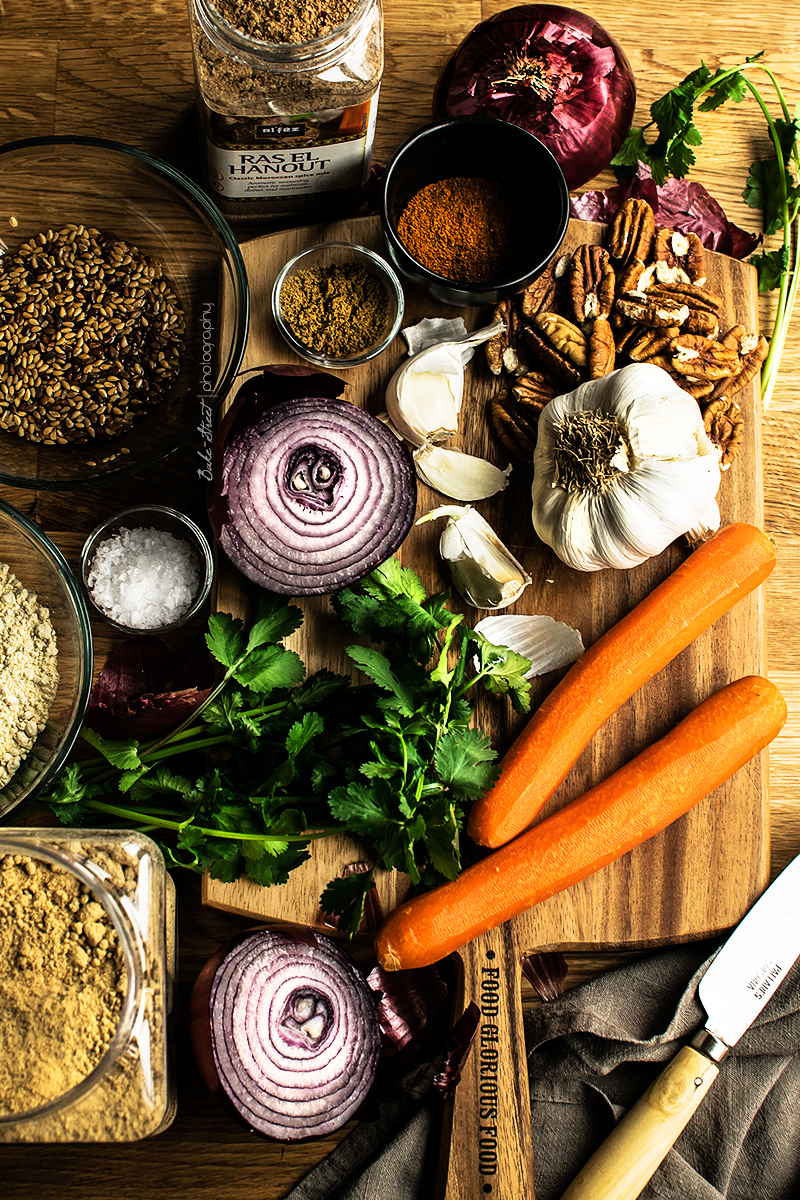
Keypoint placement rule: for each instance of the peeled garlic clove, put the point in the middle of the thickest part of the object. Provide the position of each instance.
(547, 643)
(458, 475)
(423, 397)
(484, 572)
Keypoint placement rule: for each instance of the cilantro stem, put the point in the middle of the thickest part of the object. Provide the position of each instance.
(140, 817)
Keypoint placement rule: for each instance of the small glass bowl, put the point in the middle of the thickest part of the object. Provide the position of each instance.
(336, 254)
(168, 520)
(40, 567)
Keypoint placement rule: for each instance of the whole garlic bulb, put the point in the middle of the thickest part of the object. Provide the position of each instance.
(622, 467)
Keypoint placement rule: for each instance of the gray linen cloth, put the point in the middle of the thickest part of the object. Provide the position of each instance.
(591, 1054)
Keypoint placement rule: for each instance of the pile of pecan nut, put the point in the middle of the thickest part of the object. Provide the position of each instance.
(642, 298)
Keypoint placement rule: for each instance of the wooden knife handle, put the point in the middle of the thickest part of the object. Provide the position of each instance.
(486, 1141)
(635, 1148)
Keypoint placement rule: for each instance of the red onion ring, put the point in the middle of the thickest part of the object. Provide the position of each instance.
(319, 492)
(294, 1034)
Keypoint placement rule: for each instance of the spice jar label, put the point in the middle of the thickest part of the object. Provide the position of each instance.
(296, 157)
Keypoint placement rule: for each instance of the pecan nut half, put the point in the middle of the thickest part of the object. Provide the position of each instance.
(653, 345)
(514, 417)
(546, 353)
(703, 358)
(635, 277)
(723, 420)
(592, 283)
(632, 231)
(602, 349)
(565, 336)
(656, 312)
(752, 349)
(680, 257)
(503, 350)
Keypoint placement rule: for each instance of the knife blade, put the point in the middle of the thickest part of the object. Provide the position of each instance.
(740, 980)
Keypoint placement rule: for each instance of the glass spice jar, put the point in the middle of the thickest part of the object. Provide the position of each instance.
(287, 126)
(87, 944)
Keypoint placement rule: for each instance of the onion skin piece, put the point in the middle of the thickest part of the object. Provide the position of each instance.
(294, 535)
(286, 1028)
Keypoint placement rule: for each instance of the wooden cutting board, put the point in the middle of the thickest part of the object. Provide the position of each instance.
(695, 879)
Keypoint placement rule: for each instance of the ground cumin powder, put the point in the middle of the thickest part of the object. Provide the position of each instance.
(62, 987)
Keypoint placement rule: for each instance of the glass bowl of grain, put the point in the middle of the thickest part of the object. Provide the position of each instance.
(147, 569)
(338, 305)
(46, 667)
(124, 308)
(473, 210)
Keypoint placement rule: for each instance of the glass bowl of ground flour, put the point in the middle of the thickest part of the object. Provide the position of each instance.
(46, 659)
(147, 569)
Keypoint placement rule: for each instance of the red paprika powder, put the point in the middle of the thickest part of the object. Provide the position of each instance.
(460, 228)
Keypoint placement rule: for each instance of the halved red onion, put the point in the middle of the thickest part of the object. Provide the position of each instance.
(552, 70)
(318, 493)
(294, 1034)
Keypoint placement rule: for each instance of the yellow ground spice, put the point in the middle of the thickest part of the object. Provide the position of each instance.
(460, 228)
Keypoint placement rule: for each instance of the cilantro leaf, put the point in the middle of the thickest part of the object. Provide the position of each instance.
(225, 638)
(345, 898)
(361, 808)
(771, 266)
(303, 732)
(268, 667)
(378, 667)
(766, 189)
(122, 753)
(276, 620)
(464, 762)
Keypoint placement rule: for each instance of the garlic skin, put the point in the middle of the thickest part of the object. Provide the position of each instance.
(484, 572)
(547, 643)
(423, 397)
(457, 475)
(662, 477)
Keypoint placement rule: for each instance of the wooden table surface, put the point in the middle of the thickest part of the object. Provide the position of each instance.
(123, 70)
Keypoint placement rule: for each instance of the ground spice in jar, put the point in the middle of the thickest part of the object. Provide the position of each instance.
(460, 228)
(64, 987)
(285, 20)
(338, 311)
(29, 675)
(61, 986)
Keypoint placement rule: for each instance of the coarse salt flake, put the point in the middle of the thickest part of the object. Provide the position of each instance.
(144, 578)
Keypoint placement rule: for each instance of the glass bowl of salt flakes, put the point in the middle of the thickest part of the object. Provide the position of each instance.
(46, 663)
(338, 305)
(147, 569)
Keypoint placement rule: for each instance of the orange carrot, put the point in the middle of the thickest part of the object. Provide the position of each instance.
(636, 802)
(714, 577)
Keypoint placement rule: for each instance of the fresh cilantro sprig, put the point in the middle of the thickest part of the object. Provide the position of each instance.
(273, 760)
(414, 762)
(772, 183)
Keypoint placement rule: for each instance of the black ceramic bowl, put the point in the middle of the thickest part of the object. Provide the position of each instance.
(485, 148)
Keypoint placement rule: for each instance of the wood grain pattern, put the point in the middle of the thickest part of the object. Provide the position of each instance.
(61, 66)
(696, 878)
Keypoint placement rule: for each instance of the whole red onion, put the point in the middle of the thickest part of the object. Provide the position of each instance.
(552, 70)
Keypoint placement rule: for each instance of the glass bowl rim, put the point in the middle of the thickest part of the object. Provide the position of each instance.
(241, 292)
(47, 546)
(385, 269)
(206, 562)
(19, 842)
